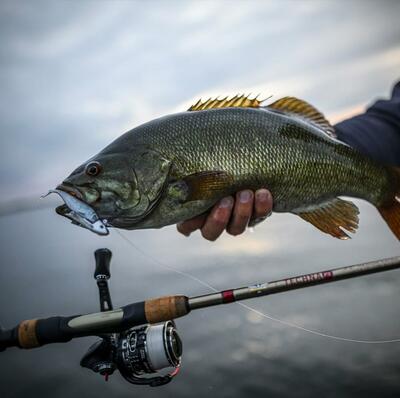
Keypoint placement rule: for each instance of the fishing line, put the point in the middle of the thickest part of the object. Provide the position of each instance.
(262, 314)
(156, 261)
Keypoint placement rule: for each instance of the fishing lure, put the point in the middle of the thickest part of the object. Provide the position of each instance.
(79, 213)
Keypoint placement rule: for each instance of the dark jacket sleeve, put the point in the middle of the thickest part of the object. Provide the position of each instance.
(376, 132)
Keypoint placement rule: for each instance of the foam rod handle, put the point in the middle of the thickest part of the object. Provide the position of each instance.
(33, 333)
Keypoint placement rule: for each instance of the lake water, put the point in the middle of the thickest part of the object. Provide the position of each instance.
(229, 351)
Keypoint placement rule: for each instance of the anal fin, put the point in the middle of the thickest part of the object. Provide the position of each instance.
(333, 218)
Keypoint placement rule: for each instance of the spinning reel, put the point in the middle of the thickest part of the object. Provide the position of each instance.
(139, 353)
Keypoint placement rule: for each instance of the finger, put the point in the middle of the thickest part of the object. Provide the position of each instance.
(242, 212)
(262, 207)
(189, 226)
(262, 203)
(218, 219)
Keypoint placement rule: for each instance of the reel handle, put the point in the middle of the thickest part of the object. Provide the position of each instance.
(103, 258)
(102, 275)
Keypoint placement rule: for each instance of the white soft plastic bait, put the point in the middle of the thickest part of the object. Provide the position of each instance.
(80, 213)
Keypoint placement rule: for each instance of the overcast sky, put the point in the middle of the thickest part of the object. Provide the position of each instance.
(75, 75)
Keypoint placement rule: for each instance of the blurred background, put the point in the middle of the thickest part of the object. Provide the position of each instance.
(74, 76)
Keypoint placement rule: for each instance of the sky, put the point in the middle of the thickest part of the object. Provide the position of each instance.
(76, 75)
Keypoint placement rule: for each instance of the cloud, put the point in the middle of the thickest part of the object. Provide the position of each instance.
(76, 75)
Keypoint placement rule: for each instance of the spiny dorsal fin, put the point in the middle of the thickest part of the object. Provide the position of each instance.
(333, 217)
(238, 101)
(298, 107)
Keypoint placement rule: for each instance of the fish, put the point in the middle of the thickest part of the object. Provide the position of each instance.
(178, 166)
(79, 213)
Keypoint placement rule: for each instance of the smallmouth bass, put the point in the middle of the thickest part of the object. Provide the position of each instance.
(178, 166)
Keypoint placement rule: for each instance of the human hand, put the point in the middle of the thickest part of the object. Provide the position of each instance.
(230, 214)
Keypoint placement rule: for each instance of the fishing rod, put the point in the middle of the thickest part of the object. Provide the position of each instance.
(141, 339)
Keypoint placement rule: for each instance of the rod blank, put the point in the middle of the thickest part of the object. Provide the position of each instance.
(296, 282)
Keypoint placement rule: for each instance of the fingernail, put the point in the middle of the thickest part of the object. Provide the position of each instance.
(226, 202)
(245, 196)
(262, 194)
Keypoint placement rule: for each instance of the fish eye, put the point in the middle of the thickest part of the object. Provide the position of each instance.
(93, 169)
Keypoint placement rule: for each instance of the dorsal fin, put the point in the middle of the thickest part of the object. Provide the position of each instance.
(298, 107)
(238, 101)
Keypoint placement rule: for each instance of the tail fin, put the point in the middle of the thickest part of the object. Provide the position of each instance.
(391, 211)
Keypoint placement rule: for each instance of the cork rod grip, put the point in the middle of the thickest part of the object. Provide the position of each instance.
(166, 308)
(27, 337)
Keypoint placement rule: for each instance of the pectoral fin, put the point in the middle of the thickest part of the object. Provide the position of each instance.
(333, 218)
(207, 185)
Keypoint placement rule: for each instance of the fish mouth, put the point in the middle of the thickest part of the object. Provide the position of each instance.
(79, 212)
(69, 189)
(62, 210)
